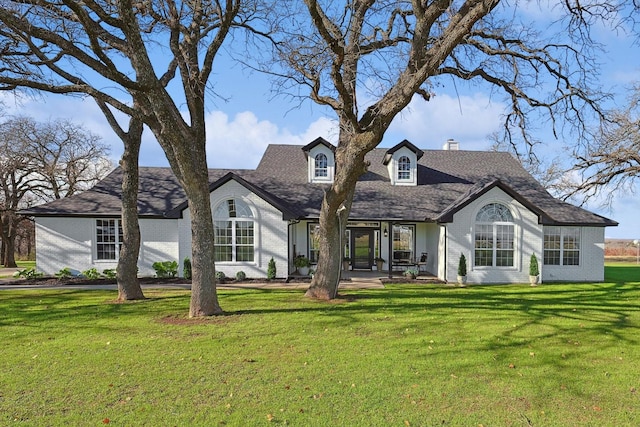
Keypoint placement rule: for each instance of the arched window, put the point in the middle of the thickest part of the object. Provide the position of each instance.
(404, 168)
(234, 232)
(494, 236)
(322, 167)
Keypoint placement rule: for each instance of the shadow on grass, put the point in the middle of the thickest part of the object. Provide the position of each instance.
(606, 308)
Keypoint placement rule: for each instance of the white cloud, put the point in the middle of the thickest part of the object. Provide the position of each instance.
(240, 142)
(467, 119)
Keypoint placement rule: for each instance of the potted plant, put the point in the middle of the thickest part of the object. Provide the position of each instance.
(462, 270)
(302, 264)
(345, 263)
(534, 270)
(411, 273)
(379, 263)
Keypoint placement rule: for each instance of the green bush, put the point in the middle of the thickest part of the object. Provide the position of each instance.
(533, 266)
(109, 273)
(240, 275)
(27, 273)
(165, 269)
(271, 269)
(91, 274)
(220, 276)
(462, 266)
(186, 268)
(64, 273)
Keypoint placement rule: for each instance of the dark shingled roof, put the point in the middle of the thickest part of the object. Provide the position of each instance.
(447, 181)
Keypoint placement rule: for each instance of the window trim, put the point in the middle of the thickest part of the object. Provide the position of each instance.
(561, 251)
(117, 243)
(404, 167)
(233, 224)
(496, 228)
(319, 168)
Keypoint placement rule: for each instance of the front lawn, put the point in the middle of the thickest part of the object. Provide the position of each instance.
(552, 355)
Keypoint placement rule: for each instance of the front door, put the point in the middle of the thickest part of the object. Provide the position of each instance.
(362, 256)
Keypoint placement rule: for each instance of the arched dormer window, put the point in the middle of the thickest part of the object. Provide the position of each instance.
(494, 236)
(404, 168)
(234, 232)
(321, 166)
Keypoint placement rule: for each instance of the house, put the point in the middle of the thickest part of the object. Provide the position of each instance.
(412, 207)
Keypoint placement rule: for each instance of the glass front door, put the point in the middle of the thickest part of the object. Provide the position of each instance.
(362, 244)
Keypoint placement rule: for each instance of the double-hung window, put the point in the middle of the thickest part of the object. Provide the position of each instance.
(562, 246)
(108, 239)
(494, 237)
(404, 169)
(234, 232)
(321, 166)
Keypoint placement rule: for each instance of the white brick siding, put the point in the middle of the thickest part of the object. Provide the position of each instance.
(71, 243)
(270, 233)
(460, 239)
(591, 268)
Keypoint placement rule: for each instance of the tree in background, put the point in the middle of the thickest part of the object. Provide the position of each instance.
(366, 60)
(610, 162)
(125, 54)
(41, 162)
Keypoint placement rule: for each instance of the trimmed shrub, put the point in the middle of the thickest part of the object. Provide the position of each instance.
(240, 275)
(186, 268)
(271, 269)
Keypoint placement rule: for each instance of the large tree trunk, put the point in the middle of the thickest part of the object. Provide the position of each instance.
(204, 298)
(334, 214)
(127, 273)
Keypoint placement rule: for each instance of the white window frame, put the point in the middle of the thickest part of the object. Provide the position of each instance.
(562, 251)
(235, 224)
(494, 230)
(321, 171)
(116, 243)
(404, 167)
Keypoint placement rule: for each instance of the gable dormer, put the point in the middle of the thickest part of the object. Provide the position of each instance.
(402, 163)
(321, 161)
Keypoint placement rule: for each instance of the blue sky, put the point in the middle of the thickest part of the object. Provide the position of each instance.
(240, 127)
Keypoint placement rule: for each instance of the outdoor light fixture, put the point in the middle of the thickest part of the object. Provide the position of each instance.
(385, 232)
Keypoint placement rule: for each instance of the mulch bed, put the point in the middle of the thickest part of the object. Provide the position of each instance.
(83, 281)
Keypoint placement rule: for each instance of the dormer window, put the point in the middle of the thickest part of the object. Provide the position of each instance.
(322, 166)
(404, 169)
(402, 163)
(320, 160)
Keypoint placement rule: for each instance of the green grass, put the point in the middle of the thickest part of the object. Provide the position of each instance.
(552, 355)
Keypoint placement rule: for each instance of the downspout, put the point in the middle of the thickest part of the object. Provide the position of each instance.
(390, 245)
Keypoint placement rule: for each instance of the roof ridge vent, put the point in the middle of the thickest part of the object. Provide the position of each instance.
(451, 145)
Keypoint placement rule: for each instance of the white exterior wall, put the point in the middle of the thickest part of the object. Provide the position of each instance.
(591, 268)
(460, 239)
(71, 242)
(427, 241)
(270, 234)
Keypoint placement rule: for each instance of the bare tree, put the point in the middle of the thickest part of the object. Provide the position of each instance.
(138, 48)
(43, 161)
(610, 162)
(366, 60)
